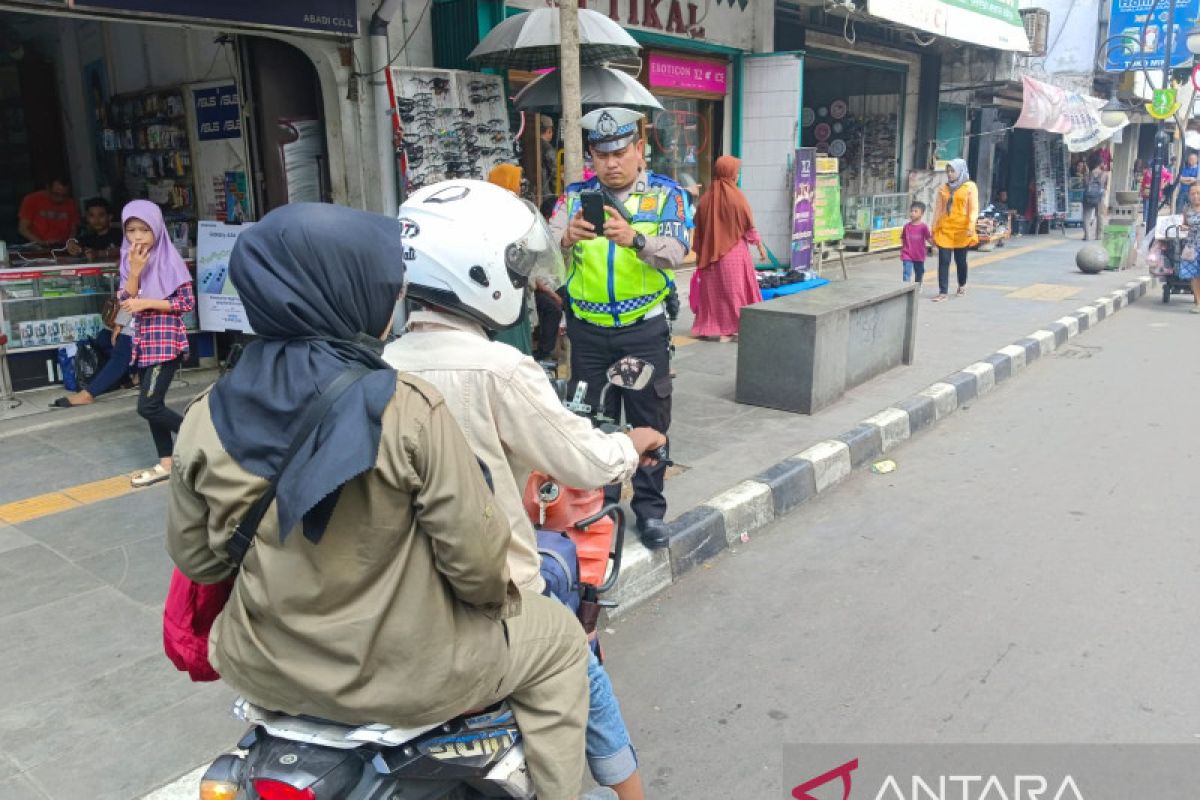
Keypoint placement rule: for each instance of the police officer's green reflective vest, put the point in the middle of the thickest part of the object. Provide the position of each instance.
(610, 285)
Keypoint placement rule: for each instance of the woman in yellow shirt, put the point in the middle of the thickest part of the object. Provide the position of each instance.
(955, 214)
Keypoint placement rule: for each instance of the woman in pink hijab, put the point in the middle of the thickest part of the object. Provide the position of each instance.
(156, 288)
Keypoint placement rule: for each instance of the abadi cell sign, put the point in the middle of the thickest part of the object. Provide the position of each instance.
(991, 23)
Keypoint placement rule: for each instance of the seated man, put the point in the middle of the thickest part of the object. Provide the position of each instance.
(49, 216)
(515, 423)
(99, 239)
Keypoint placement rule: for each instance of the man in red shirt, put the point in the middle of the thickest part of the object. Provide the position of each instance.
(49, 215)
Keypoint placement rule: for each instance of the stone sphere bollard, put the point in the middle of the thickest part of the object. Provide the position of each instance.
(1092, 259)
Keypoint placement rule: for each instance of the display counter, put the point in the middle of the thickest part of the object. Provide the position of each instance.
(874, 221)
(46, 306)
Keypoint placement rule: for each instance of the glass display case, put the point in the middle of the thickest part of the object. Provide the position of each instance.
(46, 307)
(874, 221)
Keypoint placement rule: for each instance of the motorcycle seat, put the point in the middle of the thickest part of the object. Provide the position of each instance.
(326, 733)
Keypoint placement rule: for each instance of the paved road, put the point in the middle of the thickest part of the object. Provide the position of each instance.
(1028, 574)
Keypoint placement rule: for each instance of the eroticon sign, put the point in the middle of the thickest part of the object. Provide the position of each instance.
(669, 72)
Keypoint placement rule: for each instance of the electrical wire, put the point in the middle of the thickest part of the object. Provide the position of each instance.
(403, 45)
(849, 33)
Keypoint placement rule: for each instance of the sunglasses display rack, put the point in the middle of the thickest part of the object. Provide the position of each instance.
(455, 124)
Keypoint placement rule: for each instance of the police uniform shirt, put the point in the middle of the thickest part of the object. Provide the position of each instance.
(661, 252)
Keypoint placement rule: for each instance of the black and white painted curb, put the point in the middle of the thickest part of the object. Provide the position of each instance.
(704, 531)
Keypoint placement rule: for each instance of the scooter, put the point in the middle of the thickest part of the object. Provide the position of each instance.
(594, 527)
(477, 755)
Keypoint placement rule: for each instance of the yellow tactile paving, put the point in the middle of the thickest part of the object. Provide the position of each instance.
(982, 260)
(100, 490)
(42, 505)
(683, 341)
(1050, 292)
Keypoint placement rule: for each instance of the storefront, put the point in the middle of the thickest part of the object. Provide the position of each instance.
(689, 62)
(854, 111)
(210, 125)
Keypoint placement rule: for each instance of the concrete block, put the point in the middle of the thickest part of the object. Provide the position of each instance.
(1016, 356)
(965, 386)
(1108, 306)
(1143, 285)
(1060, 332)
(1045, 340)
(791, 481)
(893, 427)
(865, 443)
(831, 463)
(1002, 365)
(745, 507)
(1072, 324)
(1089, 314)
(985, 377)
(1033, 349)
(1119, 300)
(945, 399)
(644, 573)
(696, 536)
(802, 352)
(920, 411)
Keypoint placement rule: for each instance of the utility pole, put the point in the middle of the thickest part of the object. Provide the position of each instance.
(1162, 139)
(572, 104)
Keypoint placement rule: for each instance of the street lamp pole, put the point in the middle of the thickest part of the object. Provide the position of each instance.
(1161, 138)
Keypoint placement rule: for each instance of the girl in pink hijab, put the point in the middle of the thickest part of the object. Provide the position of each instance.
(156, 288)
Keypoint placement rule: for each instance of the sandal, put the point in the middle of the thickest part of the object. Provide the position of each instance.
(62, 402)
(962, 291)
(941, 298)
(149, 477)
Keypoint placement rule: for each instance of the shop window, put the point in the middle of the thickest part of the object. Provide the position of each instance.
(680, 140)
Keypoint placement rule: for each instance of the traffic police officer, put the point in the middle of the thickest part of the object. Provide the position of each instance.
(618, 280)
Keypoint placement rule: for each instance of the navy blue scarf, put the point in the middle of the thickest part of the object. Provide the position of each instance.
(318, 283)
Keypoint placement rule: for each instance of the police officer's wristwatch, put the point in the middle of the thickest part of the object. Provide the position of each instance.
(639, 242)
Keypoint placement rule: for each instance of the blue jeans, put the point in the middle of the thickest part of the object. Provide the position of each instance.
(911, 267)
(611, 757)
(116, 368)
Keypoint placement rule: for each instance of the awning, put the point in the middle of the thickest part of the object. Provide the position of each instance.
(991, 23)
(1076, 116)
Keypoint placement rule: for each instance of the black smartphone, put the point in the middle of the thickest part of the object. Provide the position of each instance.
(592, 204)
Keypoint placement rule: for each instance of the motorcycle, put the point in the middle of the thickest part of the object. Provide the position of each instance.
(479, 754)
(594, 527)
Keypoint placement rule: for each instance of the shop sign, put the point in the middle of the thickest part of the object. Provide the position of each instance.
(669, 72)
(1137, 39)
(217, 299)
(991, 23)
(724, 22)
(1163, 105)
(802, 207)
(827, 207)
(885, 239)
(218, 114)
(323, 16)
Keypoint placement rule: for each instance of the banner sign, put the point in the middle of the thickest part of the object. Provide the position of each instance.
(802, 208)
(218, 114)
(991, 23)
(1137, 39)
(1046, 107)
(322, 16)
(217, 300)
(671, 72)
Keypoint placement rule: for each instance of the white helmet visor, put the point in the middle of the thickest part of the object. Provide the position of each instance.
(534, 255)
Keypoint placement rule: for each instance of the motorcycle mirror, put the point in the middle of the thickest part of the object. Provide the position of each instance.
(631, 373)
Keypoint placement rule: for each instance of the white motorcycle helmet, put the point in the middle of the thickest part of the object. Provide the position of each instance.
(472, 247)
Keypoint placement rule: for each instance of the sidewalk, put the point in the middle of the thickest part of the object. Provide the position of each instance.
(89, 706)
(1011, 291)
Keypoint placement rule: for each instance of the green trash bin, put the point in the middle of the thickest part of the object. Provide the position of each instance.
(1117, 238)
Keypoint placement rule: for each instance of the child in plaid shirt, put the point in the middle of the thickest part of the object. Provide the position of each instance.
(156, 288)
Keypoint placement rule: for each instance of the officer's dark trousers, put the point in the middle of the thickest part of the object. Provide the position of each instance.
(593, 350)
